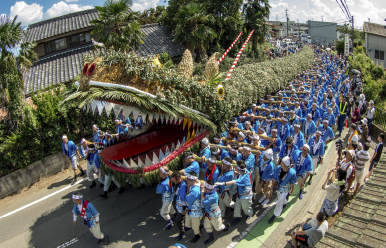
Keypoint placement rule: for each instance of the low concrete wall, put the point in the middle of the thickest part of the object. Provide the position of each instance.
(17, 180)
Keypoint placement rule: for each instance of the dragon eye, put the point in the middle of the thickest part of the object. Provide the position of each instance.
(220, 92)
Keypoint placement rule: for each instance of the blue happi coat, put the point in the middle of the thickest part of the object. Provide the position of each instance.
(180, 192)
(193, 200)
(194, 166)
(288, 180)
(71, 149)
(226, 177)
(265, 169)
(306, 167)
(316, 148)
(90, 214)
(166, 190)
(244, 187)
(326, 133)
(210, 203)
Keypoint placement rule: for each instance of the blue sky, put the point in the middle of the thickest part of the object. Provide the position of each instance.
(30, 11)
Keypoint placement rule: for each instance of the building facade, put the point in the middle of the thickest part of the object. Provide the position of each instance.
(375, 42)
(62, 43)
(322, 32)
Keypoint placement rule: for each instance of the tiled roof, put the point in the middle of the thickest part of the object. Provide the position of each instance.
(158, 40)
(54, 69)
(60, 25)
(373, 28)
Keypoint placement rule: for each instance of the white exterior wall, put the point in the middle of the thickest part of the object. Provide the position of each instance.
(375, 42)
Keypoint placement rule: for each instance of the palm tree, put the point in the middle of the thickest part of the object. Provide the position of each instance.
(256, 14)
(16, 57)
(118, 25)
(194, 30)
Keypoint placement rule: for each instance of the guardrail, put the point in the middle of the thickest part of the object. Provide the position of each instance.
(380, 117)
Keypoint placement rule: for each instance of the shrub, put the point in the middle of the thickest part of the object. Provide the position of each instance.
(164, 58)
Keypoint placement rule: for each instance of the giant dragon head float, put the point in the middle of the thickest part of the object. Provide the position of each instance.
(177, 110)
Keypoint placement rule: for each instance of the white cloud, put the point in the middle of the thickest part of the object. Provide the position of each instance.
(141, 5)
(69, 1)
(27, 13)
(62, 8)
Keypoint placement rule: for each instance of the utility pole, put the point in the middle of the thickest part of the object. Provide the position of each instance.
(286, 15)
(352, 36)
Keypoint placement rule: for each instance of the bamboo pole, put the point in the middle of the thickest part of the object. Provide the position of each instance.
(244, 144)
(224, 147)
(261, 136)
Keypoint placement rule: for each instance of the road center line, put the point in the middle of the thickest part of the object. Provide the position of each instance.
(41, 199)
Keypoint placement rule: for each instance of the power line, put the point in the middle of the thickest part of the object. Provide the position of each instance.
(346, 9)
(345, 14)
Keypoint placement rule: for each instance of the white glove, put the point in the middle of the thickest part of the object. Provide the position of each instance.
(219, 184)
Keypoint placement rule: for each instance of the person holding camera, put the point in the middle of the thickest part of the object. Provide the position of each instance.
(333, 191)
(343, 111)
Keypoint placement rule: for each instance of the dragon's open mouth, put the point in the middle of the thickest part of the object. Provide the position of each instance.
(161, 139)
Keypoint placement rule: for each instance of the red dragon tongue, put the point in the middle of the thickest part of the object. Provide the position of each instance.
(144, 143)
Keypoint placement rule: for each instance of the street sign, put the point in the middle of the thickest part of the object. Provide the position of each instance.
(346, 45)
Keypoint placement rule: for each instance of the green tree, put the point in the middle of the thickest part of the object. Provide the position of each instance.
(12, 67)
(152, 15)
(340, 47)
(256, 12)
(118, 25)
(193, 29)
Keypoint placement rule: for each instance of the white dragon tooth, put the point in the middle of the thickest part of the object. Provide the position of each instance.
(140, 163)
(118, 163)
(151, 117)
(148, 161)
(100, 107)
(184, 140)
(155, 158)
(173, 147)
(132, 163)
(108, 108)
(125, 163)
(167, 152)
(167, 117)
(194, 123)
(156, 116)
(178, 143)
(93, 106)
(161, 155)
(127, 111)
(117, 109)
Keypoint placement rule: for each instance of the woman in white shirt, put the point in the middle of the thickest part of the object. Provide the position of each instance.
(330, 203)
(370, 114)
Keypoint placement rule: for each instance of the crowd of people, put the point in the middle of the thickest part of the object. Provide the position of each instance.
(275, 145)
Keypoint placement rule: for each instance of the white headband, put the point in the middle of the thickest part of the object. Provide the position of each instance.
(82, 141)
(208, 186)
(241, 134)
(246, 148)
(227, 163)
(297, 125)
(239, 168)
(273, 130)
(217, 139)
(212, 160)
(205, 141)
(94, 126)
(76, 197)
(216, 152)
(191, 177)
(325, 121)
(232, 150)
(163, 170)
(64, 137)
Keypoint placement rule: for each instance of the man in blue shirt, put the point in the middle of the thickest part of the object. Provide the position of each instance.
(317, 150)
(212, 172)
(303, 167)
(212, 215)
(165, 188)
(265, 168)
(244, 192)
(193, 201)
(226, 192)
(71, 150)
(284, 178)
(190, 164)
(180, 190)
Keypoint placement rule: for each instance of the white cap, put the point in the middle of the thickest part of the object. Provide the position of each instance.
(286, 160)
(268, 153)
(307, 146)
(364, 121)
(205, 141)
(64, 137)
(310, 115)
(246, 148)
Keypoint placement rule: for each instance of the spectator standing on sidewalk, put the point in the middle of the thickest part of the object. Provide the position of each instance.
(370, 114)
(376, 156)
(310, 237)
(333, 191)
(364, 131)
(355, 116)
(361, 159)
(71, 150)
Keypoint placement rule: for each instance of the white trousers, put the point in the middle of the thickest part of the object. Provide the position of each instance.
(193, 222)
(281, 200)
(96, 231)
(226, 202)
(214, 222)
(107, 183)
(314, 163)
(244, 204)
(167, 209)
(91, 168)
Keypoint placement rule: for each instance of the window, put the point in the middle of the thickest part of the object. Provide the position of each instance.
(56, 45)
(379, 55)
(80, 39)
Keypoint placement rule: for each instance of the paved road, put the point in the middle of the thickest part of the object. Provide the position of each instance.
(131, 219)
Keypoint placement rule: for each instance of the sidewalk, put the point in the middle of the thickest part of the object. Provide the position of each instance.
(278, 234)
